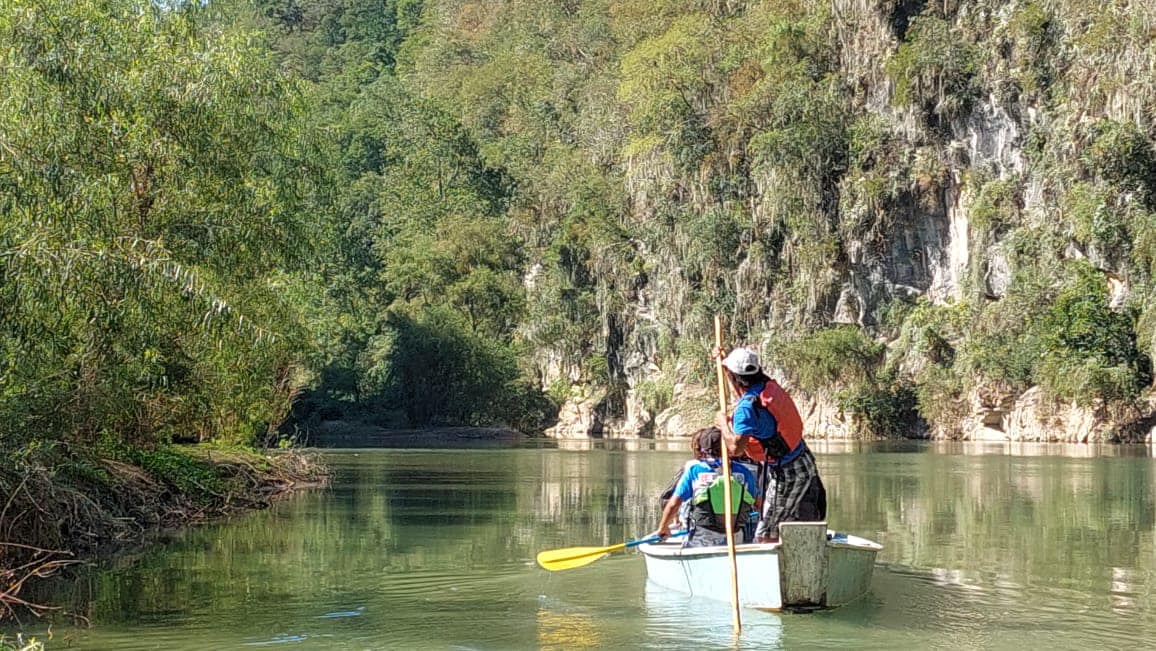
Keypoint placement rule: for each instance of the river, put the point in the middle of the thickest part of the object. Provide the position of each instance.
(985, 546)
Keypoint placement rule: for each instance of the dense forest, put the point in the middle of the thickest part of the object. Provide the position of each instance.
(228, 221)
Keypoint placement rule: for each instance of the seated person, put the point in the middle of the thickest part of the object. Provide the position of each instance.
(701, 489)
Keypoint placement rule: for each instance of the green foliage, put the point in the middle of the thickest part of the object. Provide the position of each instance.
(881, 411)
(1123, 156)
(172, 465)
(1089, 349)
(996, 205)
(1035, 32)
(843, 360)
(656, 394)
(841, 357)
(1002, 343)
(935, 69)
(1113, 204)
(923, 369)
(225, 202)
(938, 395)
(145, 220)
(1095, 220)
(432, 365)
(18, 643)
(317, 39)
(717, 235)
(662, 79)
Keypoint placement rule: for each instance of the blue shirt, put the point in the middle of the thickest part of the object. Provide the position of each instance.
(751, 419)
(700, 474)
(747, 421)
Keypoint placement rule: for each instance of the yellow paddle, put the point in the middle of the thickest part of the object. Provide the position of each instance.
(572, 557)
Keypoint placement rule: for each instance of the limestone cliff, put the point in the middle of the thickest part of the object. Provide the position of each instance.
(904, 205)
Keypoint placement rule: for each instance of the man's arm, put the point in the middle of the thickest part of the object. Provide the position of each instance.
(736, 445)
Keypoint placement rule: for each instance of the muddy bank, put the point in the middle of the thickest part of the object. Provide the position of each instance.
(350, 434)
(63, 505)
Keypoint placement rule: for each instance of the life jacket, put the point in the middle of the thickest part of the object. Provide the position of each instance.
(708, 504)
(775, 400)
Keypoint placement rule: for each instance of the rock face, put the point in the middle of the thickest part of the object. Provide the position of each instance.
(932, 234)
(584, 417)
(1031, 417)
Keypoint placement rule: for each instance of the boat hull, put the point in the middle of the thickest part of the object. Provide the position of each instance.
(705, 571)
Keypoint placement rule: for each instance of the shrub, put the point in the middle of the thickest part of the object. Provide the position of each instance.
(935, 69)
(657, 394)
(1093, 218)
(996, 205)
(887, 411)
(1120, 154)
(938, 392)
(842, 356)
(1088, 349)
(436, 368)
(1000, 344)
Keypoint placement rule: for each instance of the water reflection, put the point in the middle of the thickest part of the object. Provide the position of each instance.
(986, 545)
(562, 631)
(673, 618)
(838, 446)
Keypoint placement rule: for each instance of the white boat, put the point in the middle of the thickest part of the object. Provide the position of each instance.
(810, 567)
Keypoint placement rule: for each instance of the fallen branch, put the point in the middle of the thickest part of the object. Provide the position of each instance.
(14, 579)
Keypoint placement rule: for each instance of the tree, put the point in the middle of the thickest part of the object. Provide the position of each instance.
(149, 174)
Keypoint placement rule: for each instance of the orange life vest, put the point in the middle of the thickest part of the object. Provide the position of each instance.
(789, 423)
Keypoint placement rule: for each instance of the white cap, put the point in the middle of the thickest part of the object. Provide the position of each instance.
(743, 361)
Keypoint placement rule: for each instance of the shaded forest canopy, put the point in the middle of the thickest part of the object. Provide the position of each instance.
(220, 216)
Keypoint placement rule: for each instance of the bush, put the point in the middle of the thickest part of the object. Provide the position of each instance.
(438, 370)
(1089, 350)
(938, 392)
(842, 356)
(996, 205)
(1121, 155)
(935, 69)
(657, 394)
(887, 411)
(1001, 344)
(1093, 218)
(169, 464)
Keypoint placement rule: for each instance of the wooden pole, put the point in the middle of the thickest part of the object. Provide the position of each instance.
(727, 496)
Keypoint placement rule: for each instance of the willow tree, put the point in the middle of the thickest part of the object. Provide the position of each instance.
(148, 207)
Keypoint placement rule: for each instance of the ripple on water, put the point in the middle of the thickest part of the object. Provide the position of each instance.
(980, 609)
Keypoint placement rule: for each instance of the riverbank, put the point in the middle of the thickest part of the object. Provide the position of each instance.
(62, 504)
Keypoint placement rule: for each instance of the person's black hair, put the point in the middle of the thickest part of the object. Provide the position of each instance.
(708, 442)
(748, 381)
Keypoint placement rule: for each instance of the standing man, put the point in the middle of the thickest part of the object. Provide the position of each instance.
(792, 490)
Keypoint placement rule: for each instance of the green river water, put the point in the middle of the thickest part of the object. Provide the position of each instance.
(985, 547)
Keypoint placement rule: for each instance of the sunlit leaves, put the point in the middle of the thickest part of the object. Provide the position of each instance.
(142, 152)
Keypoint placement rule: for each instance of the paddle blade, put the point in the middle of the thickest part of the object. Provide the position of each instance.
(572, 557)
